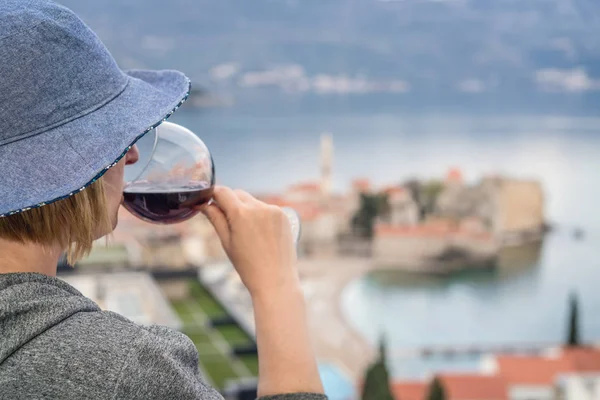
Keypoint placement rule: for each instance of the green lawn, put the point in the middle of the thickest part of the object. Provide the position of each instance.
(251, 362)
(200, 338)
(193, 313)
(182, 310)
(219, 369)
(209, 305)
(234, 335)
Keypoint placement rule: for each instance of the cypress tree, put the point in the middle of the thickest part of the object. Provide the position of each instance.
(573, 338)
(436, 390)
(377, 386)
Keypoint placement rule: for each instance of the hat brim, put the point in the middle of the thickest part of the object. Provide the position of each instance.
(60, 162)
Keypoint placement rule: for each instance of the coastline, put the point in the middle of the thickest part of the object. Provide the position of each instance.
(324, 281)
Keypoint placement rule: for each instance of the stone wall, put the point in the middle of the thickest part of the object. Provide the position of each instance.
(406, 249)
(520, 207)
(392, 250)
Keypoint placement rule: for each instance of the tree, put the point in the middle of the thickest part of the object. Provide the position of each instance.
(425, 194)
(573, 338)
(430, 192)
(371, 206)
(377, 386)
(436, 390)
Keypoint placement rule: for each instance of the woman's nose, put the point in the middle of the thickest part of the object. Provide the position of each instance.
(133, 155)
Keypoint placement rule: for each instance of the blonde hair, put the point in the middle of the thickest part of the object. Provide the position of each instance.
(72, 223)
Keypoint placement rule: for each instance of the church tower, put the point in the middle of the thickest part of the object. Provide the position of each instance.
(326, 165)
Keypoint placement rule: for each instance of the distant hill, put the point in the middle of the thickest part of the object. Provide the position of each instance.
(201, 98)
(535, 55)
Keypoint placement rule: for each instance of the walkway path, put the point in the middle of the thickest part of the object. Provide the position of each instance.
(333, 337)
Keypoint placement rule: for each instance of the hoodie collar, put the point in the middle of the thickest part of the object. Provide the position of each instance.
(31, 303)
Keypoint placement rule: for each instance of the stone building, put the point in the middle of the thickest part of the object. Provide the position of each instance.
(403, 210)
(519, 206)
(512, 209)
(458, 200)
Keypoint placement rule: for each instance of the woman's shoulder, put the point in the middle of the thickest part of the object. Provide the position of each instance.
(114, 334)
(161, 362)
(136, 361)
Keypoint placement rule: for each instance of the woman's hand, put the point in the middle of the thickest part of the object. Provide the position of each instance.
(257, 238)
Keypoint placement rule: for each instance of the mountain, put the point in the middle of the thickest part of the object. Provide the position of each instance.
(534, 56)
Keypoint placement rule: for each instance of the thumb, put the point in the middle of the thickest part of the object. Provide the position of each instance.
(218, 220)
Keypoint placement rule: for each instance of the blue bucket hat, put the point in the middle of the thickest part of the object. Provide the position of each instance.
(67, 112)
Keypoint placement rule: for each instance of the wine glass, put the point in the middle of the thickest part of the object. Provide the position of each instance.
(175, 173)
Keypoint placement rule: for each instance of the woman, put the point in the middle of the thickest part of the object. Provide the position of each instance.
(69, 119)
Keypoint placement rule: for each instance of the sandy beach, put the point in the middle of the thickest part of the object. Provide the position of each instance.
(324, 281)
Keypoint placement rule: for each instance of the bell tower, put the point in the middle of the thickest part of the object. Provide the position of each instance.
(326, 165)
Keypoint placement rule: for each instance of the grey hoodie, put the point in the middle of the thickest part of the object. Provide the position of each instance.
(57, 344)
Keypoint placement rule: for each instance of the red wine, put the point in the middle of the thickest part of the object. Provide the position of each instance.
(165, 206)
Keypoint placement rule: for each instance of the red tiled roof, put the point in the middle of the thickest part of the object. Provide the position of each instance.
(454, 175)
(386, 230)
(410, 390)
(544, 370)
(457, 386)
(361, 183)
(305, 187)
(393, 189)
(582, 359)
(474, 387)
(512, 370)
(530, 370)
